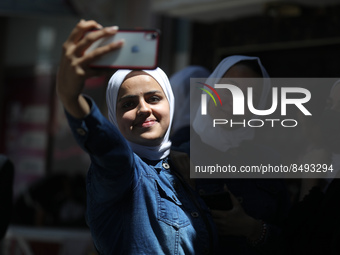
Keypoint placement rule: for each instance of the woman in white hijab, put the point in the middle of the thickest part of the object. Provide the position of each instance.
(149, 152)
(136, 201)
(256, 204)
(231, 138)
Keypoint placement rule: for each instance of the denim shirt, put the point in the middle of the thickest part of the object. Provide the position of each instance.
(135, 206)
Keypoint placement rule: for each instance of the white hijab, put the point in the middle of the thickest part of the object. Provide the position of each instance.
(231, 138)
(148, 152)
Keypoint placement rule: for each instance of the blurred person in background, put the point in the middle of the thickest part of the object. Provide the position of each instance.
(251, 223)
(180, 83)
(57, 200)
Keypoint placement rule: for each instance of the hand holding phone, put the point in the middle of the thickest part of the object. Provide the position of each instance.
(74, 68)
(140, 50)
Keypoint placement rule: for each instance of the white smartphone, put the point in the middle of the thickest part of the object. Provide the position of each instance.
(140, 50)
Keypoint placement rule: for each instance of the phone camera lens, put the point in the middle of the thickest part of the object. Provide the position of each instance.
(151, 36)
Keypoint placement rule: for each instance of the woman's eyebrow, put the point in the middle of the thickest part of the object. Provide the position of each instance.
(134, 96)
(153, 92)
(126, 97)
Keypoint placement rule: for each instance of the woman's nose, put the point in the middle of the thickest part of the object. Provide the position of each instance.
(144, 107)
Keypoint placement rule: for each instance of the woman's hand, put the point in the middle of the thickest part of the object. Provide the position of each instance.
(74, 66)
(236, 222)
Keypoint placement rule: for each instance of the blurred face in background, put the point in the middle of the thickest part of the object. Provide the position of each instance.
(239, 75)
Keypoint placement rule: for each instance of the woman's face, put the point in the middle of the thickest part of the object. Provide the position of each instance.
(235, 76)
(143, 111)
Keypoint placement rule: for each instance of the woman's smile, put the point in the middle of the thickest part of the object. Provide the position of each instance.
(146, 123)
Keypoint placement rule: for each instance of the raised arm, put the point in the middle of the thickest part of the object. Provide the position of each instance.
(74, 66)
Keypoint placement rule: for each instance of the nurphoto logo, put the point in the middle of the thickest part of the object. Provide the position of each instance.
(239, 99)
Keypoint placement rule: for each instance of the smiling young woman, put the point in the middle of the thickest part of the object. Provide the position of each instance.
(137, 201)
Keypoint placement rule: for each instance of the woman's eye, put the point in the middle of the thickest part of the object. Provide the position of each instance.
(128, 104)
(154, 99)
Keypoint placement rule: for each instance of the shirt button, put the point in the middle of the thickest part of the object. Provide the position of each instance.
(81, 131)
(166, 165)
(194, 214)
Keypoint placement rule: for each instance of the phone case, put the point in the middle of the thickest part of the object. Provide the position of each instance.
(140, 50)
